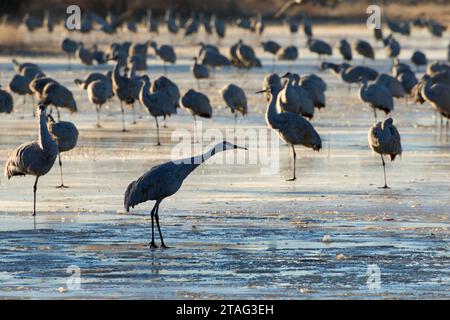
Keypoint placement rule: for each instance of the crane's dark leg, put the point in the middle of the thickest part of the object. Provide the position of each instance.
(123, 116)
(375, 114)
(157, 131)
(235, 121)
(24, 106)
(294, 155)
(97, 108)
(159, 228)
(61, 172)
(152, 214)
(58, 114)
(384, 170)
(34, 111)
(165, 69)
(134, 113)
(34, 195)
(198, 84)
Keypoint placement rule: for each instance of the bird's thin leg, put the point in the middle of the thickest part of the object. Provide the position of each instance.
(375, 114)
(32, 101)
(273, 63)
(152, 214)
(34, 195)
(159, 228)
(58, 114)
(294, 155)
(98, 116)
(61, 172)
(384, 170)
(157, 131)
(235, 121)
(165, 69)
(134, 113)
(123, 116)
(23, 106)
(198, 84)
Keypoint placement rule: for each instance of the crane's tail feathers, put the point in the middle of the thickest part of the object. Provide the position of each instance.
(128, 197)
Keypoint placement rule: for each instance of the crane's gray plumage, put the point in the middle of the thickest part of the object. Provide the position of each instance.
(271, 80)
(37, 86)
(59, 96)
(438, 95)
(384, 139)
(165, 180)
(394, 86)
(235, 99)
(158, 103)
(345, 49)
(295, 99)
(270, 46)
(65, 135)
(320, 47)
(377, 96)
(166, 53)
(34, 158)
(419, 58)
(99, 91)
(392, 47)
(6, 101)
(291, 127)
(199, 71)
(197, 104)
(219, 27)
(364, 49)
(316, 88)
(289, 53)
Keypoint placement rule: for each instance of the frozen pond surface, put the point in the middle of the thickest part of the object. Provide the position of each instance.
(233, 231)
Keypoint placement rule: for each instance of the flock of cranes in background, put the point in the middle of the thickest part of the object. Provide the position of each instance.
(291, 98)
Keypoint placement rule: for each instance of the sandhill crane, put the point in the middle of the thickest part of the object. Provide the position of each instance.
(391, 47)
(165, 53)
(350, 74)
(70, 47)
(401, 27)
(91, 77)
(271, 80)
(394, 86)
(21, 66)
(99, 92)
(219, 27)
(197, 104)
(6, 101)
(158, 103)
(289, 53)
(293, 25)
(364, 49)
(200, 71)
(419, 58)
(377, 96)
(235, 99)
(164, 180)
(436, 67)
(59, 96)
(163, 84)
(307, 26)
(295, 99)
(246, 55)
(291, 127)
(384, 139)
(435, 28)
(34, 158)
(405, 75)
(271, 47)
(192, 26)
(345, 49)
(121, 91)
(20, 85)
(153, 24)
(65, 135)
(320, 47)
(171, 23)
(85, 55)
(138, 55)
(316, 88)
(212, 58)
(37, 86)
(438, 95)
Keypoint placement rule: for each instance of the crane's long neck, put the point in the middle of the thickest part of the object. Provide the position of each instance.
(363, 91)
(426, 91)
(45, 140)
(195, 161)
(116, 77)
(272, 109)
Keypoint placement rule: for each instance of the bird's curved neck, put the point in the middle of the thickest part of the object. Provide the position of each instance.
(426, 92)
(272, 111)
(45, 140)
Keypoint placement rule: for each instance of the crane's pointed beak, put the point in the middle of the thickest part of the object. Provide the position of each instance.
(237, 147)
(261, 91)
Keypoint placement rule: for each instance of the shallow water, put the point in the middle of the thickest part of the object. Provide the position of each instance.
(234, 232)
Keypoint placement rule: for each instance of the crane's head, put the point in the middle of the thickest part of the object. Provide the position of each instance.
(286, 75)
(41, 107)
(225, 145)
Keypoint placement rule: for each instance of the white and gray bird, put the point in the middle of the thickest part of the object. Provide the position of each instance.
(364, 49)
(345, 49)
(99, 91)
(295, 99)
(197, 104)
(289, 53)
(273, 80)
(165, 180)
(235, 99)
(320, 47)
(384, 139)
(34, 158)
(65, 134)
(437, 95)
(291, 127)
(19, 85)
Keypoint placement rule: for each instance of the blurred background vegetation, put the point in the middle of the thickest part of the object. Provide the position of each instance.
(319, 9)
